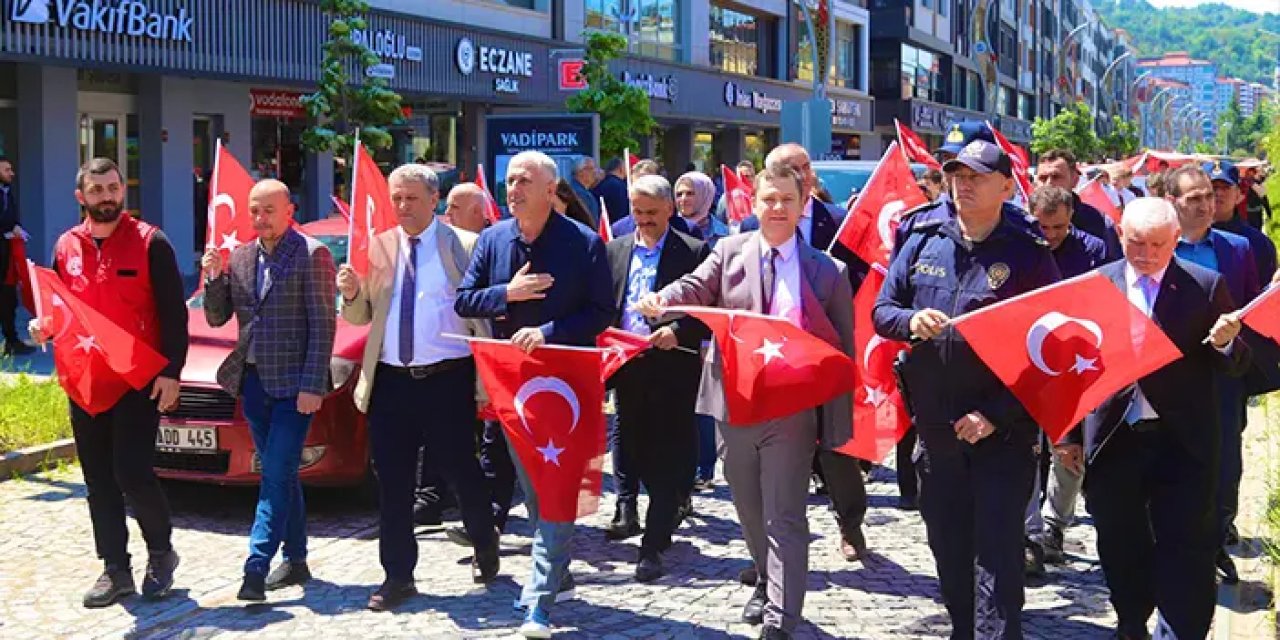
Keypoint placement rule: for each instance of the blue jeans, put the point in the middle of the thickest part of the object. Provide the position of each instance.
(278, 433)
(552, 544)
(706, 448)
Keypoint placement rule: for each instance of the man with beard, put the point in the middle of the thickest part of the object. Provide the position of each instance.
(126, 270)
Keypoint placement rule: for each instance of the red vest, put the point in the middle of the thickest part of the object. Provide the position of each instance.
(114, 279)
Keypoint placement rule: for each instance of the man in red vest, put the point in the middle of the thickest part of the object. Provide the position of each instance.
(125, 269)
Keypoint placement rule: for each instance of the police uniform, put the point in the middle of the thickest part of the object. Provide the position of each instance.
(972, 496)
(1080, 252)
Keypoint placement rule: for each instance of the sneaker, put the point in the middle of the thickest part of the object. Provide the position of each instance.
(111, 586)
(253, 589)
(288, 574)
(158, 579)
(537, 624)
(1050, 542)
(568, 591)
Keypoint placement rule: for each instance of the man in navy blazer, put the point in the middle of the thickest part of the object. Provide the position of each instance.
(1191, 192)
(539, 278)
(1152, 448)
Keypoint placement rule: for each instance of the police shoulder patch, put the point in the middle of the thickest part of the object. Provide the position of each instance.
(997, 275)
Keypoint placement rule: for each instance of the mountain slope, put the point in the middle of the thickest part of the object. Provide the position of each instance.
(1236, 40)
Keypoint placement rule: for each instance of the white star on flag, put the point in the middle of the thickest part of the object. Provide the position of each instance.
(86, 343)
(230, 241)
(1084, 364)
(551, 453)
(875, 397)
(770, 350)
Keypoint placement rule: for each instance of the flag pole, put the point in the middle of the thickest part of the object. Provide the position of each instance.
(849, 214)
(561, 347)
(351, 220)
(35, 297)
(626, 162)
(210, 211)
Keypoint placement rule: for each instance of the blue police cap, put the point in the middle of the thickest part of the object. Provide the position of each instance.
(983, 157)
(1222, 171)
(962, 133)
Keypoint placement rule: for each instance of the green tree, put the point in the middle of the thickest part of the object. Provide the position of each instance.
(1071, 129)
(623, 109)
(342, 109)
(1121, 141)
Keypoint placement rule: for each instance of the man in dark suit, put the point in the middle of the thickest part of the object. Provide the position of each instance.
(539, 278)
(1191, 192)
(9, 293)
(1057, 168)
(613, 190)
(656, 392)
(281, 289)
(1152, 449)
(818, 225)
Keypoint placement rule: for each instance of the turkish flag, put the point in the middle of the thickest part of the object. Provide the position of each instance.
(371, 211)
(737, 196)
(229, 224)
(491, 210)
(880, 417)
(606, 227)
(914, 147)
(619, 348)
(1065, 348)
(343, 209)
(97, 361)
(1093, 194)
(1263, 314)
(18, 274)
(891, 191)
(772, 368)
(1020, 161)
(551, 405)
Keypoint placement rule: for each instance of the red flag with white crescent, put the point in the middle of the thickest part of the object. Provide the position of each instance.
(606, 228)
(229, 224)
(1020, 161)
(914, 147)
(491, 210)
(890, 192)
(619, 348)
(371, 210)
(1093, 194)
(737, 196)
(880, 417)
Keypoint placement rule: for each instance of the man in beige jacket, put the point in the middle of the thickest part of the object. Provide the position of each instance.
(414, 270)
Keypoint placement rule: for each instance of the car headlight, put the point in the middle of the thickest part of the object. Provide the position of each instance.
(340, 370)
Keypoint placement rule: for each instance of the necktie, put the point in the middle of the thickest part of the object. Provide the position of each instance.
(770, 279)
(1148, 285)
(408, 295)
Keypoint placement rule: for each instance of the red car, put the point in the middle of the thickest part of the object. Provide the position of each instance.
(206, 439)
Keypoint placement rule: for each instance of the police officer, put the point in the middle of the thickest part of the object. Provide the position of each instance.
(976, 456)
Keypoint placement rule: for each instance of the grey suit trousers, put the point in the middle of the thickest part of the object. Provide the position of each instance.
(767, 466)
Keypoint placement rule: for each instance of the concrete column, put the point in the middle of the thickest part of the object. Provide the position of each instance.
(48, 144)
(677, 145)
(165, 162)
(872, 146)
(695, 18)
(472, 135)
(730, 146)
(318, 178)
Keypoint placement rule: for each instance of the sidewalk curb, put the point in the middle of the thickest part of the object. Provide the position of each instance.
(24, 461)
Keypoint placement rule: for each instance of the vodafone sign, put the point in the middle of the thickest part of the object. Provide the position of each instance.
(273, 103)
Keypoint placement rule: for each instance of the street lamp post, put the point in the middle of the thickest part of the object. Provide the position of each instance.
(1102, 82)
(819, 74)
(1062, 57)
(1147, 119)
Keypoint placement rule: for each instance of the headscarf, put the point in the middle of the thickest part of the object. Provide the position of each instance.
(704, 193)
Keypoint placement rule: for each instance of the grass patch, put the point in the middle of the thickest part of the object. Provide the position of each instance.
(32, 412)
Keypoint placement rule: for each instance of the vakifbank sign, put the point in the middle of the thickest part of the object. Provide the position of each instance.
(119, 17)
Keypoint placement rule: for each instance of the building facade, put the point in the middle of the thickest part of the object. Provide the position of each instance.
(1201, 80)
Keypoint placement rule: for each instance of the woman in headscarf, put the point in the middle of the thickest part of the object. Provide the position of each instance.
(695, 195)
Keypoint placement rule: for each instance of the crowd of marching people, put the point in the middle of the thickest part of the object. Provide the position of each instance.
(725, 305)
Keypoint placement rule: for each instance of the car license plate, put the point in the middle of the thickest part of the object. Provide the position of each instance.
(198, 439)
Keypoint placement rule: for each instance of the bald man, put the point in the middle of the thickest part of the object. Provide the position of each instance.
(465, 207)
(281, 289)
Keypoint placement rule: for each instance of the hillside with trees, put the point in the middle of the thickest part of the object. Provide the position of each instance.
(1242, 44)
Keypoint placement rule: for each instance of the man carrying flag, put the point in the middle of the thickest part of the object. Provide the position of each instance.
(125, 270)
(11, 238)
(1152, 448)
(767, 464)
(976, 451)
(539, 278)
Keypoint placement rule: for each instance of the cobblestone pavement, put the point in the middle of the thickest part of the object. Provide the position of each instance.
(49, 561)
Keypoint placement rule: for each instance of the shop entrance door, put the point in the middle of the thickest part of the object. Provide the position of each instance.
(113, 136)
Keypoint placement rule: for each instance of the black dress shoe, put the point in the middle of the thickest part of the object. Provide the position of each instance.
(158, 579)
(649, 567)
(626, 524)
(908, 503)
(287, 575)
(428, 515)
(485, 562)
(1227, 568)
(390, 595)
(774, 633)
(458, 536)
(753, 612)
(253, 589)
(114, 583)
(749, 576)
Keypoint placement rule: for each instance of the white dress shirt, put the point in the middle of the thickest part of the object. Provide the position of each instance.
(806, 222)
(433, 312)
(1140, 408)
(786, 289)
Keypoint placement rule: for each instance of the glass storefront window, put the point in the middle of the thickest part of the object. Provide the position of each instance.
(756, 146)
(277, 152)
(650, 25)
(849, 55)
(704, 154)
(921, 74)
(735, 41)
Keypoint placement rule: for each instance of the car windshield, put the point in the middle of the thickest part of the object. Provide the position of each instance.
(840, 182)
(337, 246)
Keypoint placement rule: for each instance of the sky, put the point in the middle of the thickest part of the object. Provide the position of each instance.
(1256, 6)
